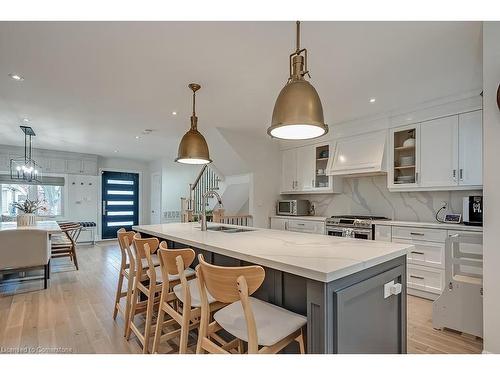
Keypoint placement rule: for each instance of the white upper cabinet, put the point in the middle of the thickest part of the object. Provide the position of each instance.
(89, 167)
(73, 166)
(447, 154)
(304, 170)
(470, 146)
(288, 170)
(306, 160)
(439, 152)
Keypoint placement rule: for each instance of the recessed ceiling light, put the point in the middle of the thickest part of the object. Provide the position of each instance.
(147, 131)
(372, 100)
(174, 113)
(137, 137)
(26, 120)
(16, 77)
(115, 151)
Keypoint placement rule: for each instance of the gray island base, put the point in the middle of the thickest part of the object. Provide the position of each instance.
(345, 314)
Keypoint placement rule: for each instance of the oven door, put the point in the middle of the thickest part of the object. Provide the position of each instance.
(335, 231)
(365, 234)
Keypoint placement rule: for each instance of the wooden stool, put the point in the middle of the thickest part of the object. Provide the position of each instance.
(127, 271)
(179, 284)
(65, 245)
(147, 283)
(259, 323)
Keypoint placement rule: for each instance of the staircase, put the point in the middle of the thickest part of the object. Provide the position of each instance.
(210, 179)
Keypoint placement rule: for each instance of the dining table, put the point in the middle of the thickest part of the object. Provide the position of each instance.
(50, 226)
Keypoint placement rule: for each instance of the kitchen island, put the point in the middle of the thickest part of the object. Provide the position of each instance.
(338, 283)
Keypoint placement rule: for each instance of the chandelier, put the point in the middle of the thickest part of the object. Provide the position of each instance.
(26, 169)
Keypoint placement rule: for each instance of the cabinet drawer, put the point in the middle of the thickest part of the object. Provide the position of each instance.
(425, 278)
(426, 253)
(306, 226)
(419, 234)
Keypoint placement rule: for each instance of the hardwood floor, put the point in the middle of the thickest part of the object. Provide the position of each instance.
(75, 313)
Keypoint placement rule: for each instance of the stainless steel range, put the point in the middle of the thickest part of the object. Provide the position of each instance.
(354, 226)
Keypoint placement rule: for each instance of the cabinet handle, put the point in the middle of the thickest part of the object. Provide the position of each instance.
(417, 234)
(416, 177)
(286, 225)
(417, 252)
(417, 277)
(300, 224)
(312, 182)
(461, 174)
(454, 175)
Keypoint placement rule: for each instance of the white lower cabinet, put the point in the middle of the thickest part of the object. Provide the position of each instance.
(426, 279)
(298, 225)
(279, 223)
(306, 226)
(426, 262)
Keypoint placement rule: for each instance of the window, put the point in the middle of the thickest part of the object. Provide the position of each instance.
(51, 196)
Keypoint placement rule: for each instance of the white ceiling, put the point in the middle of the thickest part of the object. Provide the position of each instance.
(93, 86)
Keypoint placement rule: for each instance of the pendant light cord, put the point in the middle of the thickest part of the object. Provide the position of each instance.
(298, 36)
(194, 102)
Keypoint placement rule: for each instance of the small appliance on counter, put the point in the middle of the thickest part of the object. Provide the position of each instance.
(293, 207)
(473, 210)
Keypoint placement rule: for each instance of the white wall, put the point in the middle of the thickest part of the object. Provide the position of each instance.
(491, 247)
(175, 180)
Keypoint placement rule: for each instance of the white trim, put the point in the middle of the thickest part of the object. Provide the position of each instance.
(151, 175)
(99, 195)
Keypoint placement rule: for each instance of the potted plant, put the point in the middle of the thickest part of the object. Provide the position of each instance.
(29, 209)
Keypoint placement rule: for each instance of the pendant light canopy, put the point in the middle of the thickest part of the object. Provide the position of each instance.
(193, 148)
(298, 113)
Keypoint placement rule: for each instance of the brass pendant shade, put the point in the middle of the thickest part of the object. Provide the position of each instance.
(298, 113)
(193, 148)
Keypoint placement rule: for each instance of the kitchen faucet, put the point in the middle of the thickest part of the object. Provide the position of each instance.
(210, 193)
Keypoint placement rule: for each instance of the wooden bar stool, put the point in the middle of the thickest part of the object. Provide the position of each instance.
(256, 322)
(174, 265)
(147, 283)
(127, 271)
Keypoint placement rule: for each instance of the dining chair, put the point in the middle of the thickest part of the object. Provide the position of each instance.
(265, 328)
(64, 245)
(25, 249)
(179, 285)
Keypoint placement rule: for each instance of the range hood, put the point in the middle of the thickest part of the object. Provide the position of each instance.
(359, 155)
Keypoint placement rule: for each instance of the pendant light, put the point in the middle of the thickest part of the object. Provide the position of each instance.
(193, 148)
(298, 113)
(26, 169)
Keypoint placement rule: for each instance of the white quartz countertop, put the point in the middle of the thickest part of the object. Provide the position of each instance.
(49, 226)
(321, 258)
(435, 225)
(310, 218)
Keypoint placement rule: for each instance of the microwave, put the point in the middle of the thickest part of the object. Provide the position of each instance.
(293, 207)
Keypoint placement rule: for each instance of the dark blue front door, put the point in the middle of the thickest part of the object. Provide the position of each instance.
(120, 202)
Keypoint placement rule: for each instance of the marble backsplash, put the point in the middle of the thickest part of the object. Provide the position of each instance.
(370, 196)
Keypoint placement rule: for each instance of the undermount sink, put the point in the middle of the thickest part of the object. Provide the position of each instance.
(222, 228)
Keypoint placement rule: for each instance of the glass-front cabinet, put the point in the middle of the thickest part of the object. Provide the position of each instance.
(304, 170)
(405, 160)
(321, 179)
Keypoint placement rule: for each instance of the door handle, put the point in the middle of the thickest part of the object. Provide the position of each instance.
(104, 208)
